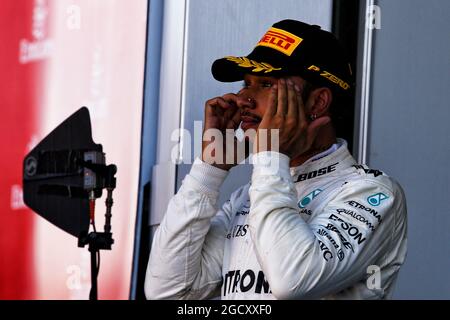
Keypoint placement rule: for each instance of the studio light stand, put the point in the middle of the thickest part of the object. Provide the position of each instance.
(63, 176)
(99, 240)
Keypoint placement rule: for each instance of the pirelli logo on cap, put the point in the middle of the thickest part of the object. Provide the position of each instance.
(280, 40)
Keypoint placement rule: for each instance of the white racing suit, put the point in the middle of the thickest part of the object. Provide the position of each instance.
(326, 229)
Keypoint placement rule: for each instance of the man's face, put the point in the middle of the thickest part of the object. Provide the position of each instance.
(256, 89)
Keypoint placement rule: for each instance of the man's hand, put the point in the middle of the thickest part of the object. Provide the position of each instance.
(286, 112)
(222, 113)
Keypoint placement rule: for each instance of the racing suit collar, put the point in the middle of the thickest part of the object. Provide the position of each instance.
(341, 158)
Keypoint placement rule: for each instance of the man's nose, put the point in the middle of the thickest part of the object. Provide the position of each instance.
(246, 102)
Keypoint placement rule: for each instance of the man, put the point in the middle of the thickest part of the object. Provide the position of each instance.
(316, 225)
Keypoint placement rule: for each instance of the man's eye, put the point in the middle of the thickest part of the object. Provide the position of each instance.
(262, 84)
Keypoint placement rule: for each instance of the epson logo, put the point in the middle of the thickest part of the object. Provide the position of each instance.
(317, 173)
(349, 228)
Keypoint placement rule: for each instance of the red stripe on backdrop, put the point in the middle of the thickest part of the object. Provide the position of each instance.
(19, 86)
(56, 56)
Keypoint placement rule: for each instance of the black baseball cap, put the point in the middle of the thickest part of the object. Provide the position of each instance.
(291, 48)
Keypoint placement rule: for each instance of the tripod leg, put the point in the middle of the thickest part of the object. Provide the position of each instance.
(93, 292)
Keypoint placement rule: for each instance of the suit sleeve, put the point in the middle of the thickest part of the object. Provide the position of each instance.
(333, 249)
(186, 256)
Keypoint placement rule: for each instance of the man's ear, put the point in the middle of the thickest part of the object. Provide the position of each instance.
(319, 101)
